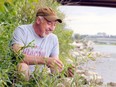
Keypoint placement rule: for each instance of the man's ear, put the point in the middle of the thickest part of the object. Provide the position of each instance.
(38, 20)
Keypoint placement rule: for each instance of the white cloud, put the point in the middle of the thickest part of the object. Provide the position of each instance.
(91, 20)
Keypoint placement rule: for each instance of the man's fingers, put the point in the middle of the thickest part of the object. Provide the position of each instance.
(70, 72)
(55, 64)
(59, 64)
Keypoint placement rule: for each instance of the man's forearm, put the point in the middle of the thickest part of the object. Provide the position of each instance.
(32, 60)
(28, 59)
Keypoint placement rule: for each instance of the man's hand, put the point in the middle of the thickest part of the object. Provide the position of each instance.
(70, 71)
(55, 64)
(16, 47)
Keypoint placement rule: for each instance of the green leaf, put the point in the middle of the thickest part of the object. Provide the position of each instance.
(2, 6)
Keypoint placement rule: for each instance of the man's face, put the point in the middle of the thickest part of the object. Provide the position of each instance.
(47, 27)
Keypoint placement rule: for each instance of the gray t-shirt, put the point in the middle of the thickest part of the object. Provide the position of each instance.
(45, 47)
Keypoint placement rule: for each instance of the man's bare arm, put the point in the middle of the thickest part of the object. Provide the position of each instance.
(32, 60)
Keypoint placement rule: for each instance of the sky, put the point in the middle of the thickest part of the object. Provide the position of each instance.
(90, 20)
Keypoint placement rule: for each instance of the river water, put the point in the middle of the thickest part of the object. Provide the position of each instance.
(105, 66)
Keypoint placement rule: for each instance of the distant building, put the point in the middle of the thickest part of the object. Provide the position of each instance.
(102, 38)
(101, 34)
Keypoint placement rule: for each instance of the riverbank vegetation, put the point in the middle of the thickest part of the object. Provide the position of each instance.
(14, 13)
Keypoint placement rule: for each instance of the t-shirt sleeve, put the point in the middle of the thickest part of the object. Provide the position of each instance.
(55, 50)
(18, 36)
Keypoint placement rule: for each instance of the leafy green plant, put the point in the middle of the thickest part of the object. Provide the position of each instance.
(12, 14)
(17, 12)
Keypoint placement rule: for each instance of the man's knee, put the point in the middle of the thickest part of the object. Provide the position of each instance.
(23, 66)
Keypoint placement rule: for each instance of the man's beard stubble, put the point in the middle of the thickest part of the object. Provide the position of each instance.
(42, 29)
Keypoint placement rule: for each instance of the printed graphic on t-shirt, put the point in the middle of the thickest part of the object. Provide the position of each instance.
(35, 51)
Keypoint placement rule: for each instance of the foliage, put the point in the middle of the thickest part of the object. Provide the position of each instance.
(12, 14)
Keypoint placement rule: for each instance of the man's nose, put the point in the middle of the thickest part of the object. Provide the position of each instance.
(52, 28)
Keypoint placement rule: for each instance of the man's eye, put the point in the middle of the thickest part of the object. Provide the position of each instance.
(49, 23)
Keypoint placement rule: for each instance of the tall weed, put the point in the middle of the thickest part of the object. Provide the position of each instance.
(18, 12)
